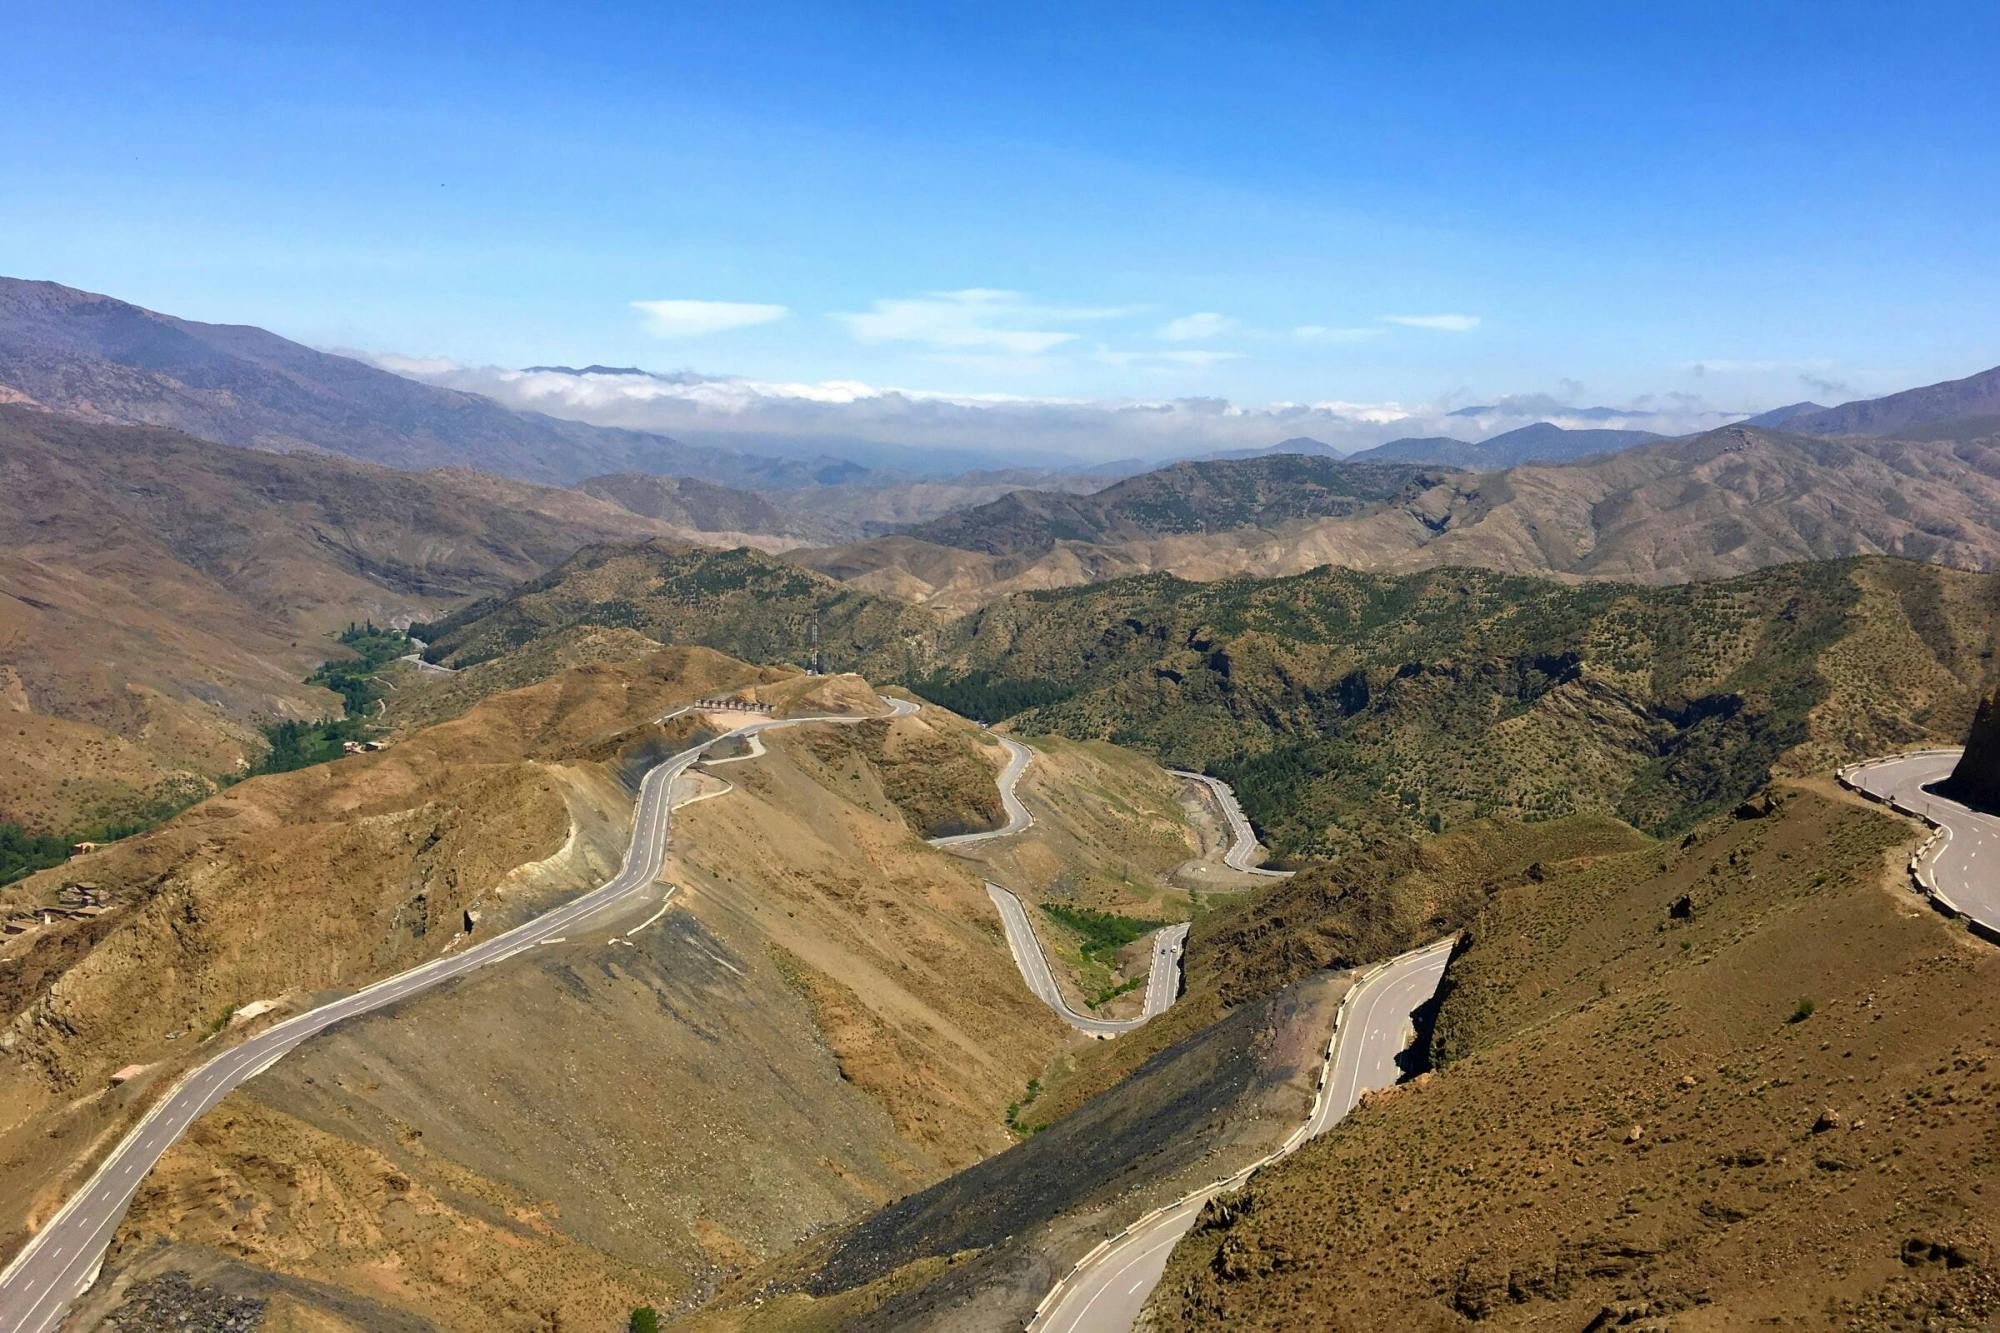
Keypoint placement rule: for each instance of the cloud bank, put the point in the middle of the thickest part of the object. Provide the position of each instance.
(832, 415)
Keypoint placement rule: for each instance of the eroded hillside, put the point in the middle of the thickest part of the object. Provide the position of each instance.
(292, 884)
(824, 1018)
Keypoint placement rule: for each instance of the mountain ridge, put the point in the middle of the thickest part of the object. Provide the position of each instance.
(1732, 500)
(1975, 395)
(86, 354)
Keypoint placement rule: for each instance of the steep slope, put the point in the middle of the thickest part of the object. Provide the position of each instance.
(740, 601)
(826, 1016)
(1182, 498)
(161, 592)
(1734, 1081)
(1120, 1127)
(89, 355)
(1350, 707)
(1974, 396)
(1540, 442)
(1733, 500)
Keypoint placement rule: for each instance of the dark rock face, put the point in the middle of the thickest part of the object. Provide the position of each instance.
(172, 1301)
(1976, 780)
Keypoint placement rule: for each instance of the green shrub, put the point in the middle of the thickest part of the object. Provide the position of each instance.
(23, 853)
(1102, 932)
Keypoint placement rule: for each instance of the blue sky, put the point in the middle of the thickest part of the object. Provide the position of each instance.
(1748, 204)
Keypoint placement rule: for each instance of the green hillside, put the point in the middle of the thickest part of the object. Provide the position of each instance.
(1346, 707)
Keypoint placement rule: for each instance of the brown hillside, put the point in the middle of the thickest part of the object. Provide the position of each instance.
(161, 593)
(1734, 500)
(827, 1018)
(1741, 1080)
(294, 883)
(703, 506)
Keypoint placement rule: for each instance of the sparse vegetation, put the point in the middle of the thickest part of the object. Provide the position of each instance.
(741, 602)
(23, 852)
(1014, 1109)
(1803, 1010)
(221, 1022)
(1100, 932)
(1110, 993)
(645, 1319)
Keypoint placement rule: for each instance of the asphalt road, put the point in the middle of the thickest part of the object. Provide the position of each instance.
(62, 1258)
(1163, 983)
(1018, 817)
(1243, 839)
(1106, 1293)
(1962, 867)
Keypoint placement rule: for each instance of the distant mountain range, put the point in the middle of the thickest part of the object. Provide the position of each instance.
(1298, 444)
(1783, 416)
(1183, 498)
(706, 508)
(1669, 511)
(91, 356)
(1541, 442)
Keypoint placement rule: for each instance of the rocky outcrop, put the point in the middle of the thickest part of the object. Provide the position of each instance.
(1976, 780)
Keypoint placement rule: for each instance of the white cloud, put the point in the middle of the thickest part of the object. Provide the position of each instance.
(980, 319)
(1195, 357)
(1193, 328)
(1447, 323)
(1320, 333)
(1159, 359)
(692, 319)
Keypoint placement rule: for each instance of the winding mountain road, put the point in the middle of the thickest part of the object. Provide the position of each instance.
(1018, 818)
(1105, 1292)
(1163, 983)
(1961, 866)
(1243, 838)
(62, 1258)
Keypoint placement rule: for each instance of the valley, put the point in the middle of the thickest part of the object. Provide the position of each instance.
(475, 869)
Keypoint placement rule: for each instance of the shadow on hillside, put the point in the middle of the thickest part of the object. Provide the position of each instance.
(1417, 1058)
(1963, 792)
